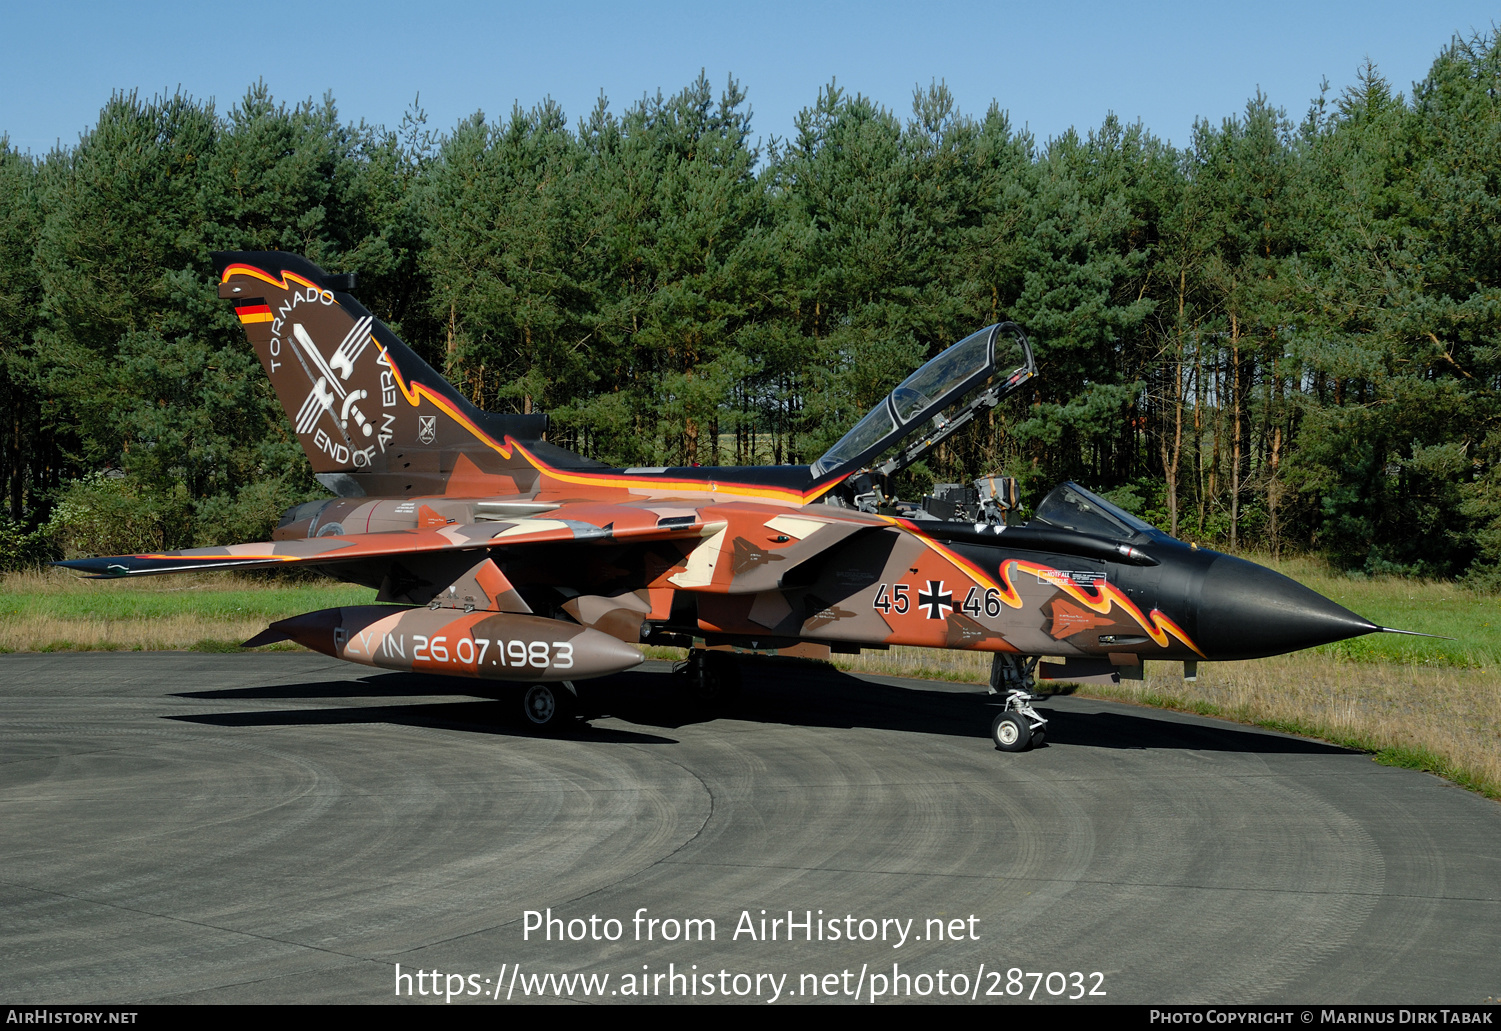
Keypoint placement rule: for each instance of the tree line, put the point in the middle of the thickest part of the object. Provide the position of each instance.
(1282, 335)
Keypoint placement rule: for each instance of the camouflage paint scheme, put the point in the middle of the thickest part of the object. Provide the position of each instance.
(499, 556)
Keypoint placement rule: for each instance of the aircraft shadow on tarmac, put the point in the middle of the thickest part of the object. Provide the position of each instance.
(790, 694)
(497, 715)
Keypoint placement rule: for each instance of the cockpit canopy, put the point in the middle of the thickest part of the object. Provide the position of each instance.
(925, 395)
(1070, 507)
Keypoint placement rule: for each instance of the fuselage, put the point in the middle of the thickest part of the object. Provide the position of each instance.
(789, 565)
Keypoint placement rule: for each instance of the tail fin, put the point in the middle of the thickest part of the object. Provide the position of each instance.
(374, 418)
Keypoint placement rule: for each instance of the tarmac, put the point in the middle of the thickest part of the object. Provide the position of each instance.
(286, 828)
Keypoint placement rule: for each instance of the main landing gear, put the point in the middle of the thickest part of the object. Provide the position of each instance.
(713, 677)
(549, 707)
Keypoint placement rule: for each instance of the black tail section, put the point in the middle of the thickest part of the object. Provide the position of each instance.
(374, 418)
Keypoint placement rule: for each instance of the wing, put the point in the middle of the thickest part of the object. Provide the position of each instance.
(758, 548)
(357, 548)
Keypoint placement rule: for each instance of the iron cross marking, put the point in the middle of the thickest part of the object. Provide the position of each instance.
(936, 600)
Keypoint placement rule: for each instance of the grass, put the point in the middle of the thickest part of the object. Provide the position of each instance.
(1409, 701)
(53, 610)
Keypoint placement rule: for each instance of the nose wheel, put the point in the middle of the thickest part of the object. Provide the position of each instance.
(1018, 726)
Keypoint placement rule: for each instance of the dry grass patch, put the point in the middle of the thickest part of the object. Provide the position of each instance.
(1444, 720)
(924, 663)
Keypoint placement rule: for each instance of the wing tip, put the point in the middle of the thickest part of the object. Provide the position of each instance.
(108, 568)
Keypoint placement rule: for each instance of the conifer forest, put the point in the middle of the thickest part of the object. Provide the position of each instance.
(1283, 336)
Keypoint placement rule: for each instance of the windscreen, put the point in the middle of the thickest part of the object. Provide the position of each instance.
(1071, 507)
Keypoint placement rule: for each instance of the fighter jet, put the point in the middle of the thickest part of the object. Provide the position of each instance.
(499, 556)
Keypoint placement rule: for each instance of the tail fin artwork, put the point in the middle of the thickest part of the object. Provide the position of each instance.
(374, 418)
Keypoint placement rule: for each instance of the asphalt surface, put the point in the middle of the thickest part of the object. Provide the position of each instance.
(287, 828)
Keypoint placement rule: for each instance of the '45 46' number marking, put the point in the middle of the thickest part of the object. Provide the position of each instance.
(898, 598)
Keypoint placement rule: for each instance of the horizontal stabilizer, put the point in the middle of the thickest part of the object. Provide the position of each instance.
(763, 556)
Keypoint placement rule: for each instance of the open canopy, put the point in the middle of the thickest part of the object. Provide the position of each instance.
(922, 398)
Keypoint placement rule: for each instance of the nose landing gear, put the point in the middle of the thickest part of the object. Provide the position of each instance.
(1018, 726)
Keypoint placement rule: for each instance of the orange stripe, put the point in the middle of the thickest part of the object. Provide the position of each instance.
(1009, 596)
(688, 486)
(223, 558)
(415, 392)
(1158, 626)
(281, 284)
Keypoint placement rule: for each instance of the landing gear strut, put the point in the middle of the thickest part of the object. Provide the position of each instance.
(713, 677)
(1011, 672)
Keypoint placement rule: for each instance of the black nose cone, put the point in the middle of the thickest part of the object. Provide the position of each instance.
(1247, 611)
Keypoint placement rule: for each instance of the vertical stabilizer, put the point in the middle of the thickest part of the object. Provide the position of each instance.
(374, 418)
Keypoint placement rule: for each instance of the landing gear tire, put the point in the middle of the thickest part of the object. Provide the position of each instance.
(547, 706)
(1011, 732)
(1039, 737)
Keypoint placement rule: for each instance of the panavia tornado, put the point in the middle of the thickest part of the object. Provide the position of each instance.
(499, 556)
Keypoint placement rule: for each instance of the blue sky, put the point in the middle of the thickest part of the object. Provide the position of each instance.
(1051, 66)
